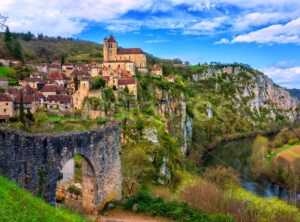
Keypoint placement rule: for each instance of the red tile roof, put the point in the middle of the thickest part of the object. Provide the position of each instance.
(126, 81)
(111, 39)
(28, 90)
(106, 78)
(156, 68)
(29, 79)
(55, 76)
(5, 98)
(26, 99)
(60, 98)
(130, 51)
(53, 88)
(4, 117)
(12, 92)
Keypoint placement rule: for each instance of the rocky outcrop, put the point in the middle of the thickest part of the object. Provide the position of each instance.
(174, 110)
(260, 90)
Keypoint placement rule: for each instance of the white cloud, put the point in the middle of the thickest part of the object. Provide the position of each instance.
(69, 17)
(287, 33)
(255, 19)
(288, 77)
(222, 41)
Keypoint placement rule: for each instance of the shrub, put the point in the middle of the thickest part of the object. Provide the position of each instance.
(157, 206)
(294, 141)
(221, 176)
(74, 190)
(206, 196)
(97, 83)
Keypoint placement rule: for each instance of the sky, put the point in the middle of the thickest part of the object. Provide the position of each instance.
(262, 33)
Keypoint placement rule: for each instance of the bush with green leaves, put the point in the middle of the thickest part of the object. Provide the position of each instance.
(157, 206)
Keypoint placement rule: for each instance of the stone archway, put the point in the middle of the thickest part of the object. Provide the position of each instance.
(87, 180)
(34, 161)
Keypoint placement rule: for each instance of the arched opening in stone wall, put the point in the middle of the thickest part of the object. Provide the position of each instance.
(76, 188)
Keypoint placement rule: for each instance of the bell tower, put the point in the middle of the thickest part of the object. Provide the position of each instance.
(110, 47)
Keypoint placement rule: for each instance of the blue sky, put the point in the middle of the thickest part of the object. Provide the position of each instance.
(264, 34)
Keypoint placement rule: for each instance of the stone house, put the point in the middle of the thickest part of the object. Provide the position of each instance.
(4, 62)
(130, 83)
(157, 70)
(68, 69)
(42, 67)
(31, 103)
(58, 78)
(81, 93)
(32, 82)
(3, 83)
(59, 102)
(94, 69)
(51, 90)
(6, 106)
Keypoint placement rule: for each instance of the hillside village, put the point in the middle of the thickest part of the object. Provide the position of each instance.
(63, 87)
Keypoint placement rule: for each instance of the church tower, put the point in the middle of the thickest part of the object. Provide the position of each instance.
(110, 47)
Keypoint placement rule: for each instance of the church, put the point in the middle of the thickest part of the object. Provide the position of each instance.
(129, 59)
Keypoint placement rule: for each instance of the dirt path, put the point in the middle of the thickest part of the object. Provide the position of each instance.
(118, 215)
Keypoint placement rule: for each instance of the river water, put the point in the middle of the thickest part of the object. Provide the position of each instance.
(236, 154)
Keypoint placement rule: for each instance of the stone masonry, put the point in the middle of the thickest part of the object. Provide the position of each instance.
(34, 161)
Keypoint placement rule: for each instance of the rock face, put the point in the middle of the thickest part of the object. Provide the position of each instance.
(263, 94)
(35, 161)
(174, 110)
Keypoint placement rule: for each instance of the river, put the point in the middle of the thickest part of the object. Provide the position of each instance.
(236, 154)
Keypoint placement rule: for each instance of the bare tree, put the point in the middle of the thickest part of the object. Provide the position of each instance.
(2, 22)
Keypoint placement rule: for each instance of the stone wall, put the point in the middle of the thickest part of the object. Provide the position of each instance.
(34, 161)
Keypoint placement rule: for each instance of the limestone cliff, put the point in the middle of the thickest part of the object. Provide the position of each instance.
(261, 93)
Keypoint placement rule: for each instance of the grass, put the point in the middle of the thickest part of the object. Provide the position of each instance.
(267, 208)
(286, 147)
(17, 204)
(8, 73)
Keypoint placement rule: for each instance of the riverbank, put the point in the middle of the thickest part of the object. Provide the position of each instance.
(236, 154)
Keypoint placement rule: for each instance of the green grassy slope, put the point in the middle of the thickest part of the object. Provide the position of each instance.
(52, 49)
(19, 205)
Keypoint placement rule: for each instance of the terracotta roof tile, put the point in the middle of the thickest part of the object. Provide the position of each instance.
(130, 51)
(5, 98)
(55, 76)
(126, 81)
(60, 98)
(53, 88)
(111, 39)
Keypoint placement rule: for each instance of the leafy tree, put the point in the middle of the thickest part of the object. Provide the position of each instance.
(22, 114)
(221, 176)
(126, 89)
(29, 115)
(62, 59)
(7, 35)
(40, 36)
(136, 165)
(76, 82)
(259, 152)
(16, 49)
(97, 83)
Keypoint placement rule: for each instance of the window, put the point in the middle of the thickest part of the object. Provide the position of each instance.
(5, 110)
(6, 104)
